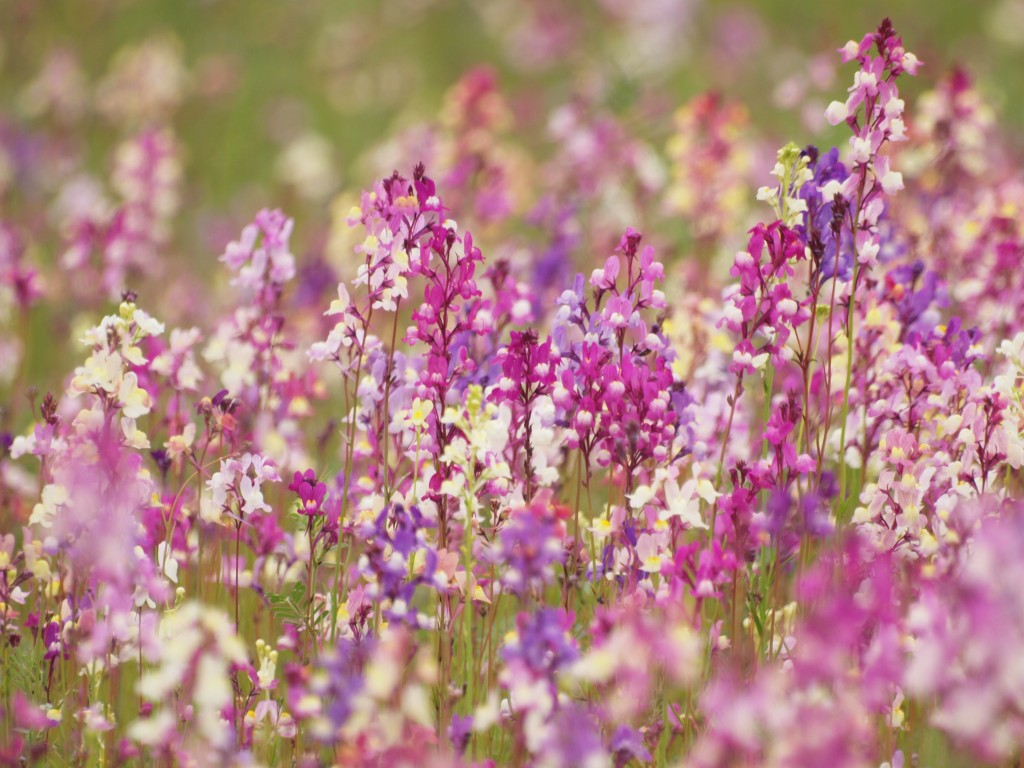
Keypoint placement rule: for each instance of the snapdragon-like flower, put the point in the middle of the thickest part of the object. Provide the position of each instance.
(665, 516)
(310, 491)
(261, 258)
(874, 112)
(443, 324)
(616, 383)
(528, 373)
(542, 643)
(398, 216)
(530, 545)
(236, 489)
(761, 308)
(792, 171)
(399, 559)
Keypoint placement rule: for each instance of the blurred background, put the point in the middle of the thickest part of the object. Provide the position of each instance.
(247, 80)
(300, 104)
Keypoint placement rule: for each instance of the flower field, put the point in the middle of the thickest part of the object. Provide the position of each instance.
(588, 433)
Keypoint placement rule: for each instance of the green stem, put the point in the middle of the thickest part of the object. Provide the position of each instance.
(387, 399)
(850, 341)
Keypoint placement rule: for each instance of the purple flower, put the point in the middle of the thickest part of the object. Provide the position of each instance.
(627, 744)
(543, 643)
(531, 545)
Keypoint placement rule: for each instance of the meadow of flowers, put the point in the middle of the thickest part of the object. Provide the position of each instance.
(615, 454)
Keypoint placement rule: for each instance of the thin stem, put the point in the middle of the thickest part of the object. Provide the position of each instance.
(846, 387)
(721, 455)
(387, 400)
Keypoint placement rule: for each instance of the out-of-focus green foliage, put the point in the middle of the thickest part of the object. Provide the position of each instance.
(262, 70)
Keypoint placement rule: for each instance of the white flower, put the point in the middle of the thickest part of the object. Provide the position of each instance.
(167, 564)
(647, 549)
(134, 437)
(54, 497)
(639, 498)
(26, 444)
(892, 182)
(134, 400)
(252, 496)
(836, 113)
(419, 412)
(684, 502)
(180, 444)
(153, 730)
(341, 304)
(147, 324)
(861, 149)
(101, 371)
(268, 664)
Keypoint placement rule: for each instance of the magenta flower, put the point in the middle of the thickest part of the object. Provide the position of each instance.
(311, 493)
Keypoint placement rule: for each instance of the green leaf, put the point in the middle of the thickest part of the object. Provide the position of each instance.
(25, 667)
(290, 607)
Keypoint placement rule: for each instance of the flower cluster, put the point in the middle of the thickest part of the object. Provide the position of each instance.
(532, 489)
